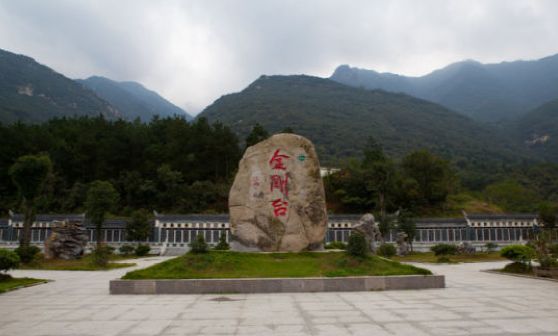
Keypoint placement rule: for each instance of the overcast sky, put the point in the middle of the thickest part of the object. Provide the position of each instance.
(192, 52)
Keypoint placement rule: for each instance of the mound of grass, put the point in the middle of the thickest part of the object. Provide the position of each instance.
(517, 268)
(7, 283)
(221, 264)
(84, 264)
(429, 257)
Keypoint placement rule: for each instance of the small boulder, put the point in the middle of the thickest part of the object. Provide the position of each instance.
(67, 241)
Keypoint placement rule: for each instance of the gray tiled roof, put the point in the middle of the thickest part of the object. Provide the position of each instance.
(193, 217)
(121, 223)
(440, 222)
(50, 217)
(108, 224)
(503, 216)
(225, 217)
(344, 217)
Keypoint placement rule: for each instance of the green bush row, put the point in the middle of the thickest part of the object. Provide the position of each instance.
(140, 250)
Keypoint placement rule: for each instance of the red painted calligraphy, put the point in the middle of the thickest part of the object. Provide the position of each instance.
(279, 183)
(279, 207)
(276, 161)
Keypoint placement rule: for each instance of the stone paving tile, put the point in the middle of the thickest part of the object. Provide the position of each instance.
(474, 303)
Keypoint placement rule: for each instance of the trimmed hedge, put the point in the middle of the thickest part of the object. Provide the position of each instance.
(387, 250)
(357, 245)
(444, 249)
(518, 253)
(8, 260)
(27, 254)
(142, 250)
(199, 245)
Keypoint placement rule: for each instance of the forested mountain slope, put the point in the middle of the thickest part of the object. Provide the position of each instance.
(339, 118)
(31, 92)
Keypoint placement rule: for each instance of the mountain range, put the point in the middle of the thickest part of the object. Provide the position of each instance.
(484, 92)
(32, 92)
(132, 99)
(339, 118)
(451, 111)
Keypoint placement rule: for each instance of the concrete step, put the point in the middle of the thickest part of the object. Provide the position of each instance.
(174, 251)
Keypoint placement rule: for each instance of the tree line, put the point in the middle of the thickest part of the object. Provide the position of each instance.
(167, 164)
(172, 165)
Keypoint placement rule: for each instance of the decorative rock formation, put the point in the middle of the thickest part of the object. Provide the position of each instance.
(465, 248)
(277, 201)
(67, 241)
(402, 244)
(369, 229)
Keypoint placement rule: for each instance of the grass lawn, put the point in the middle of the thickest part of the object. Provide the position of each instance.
(431, 258)
(83, 264)
(9, 283)
(218, 264)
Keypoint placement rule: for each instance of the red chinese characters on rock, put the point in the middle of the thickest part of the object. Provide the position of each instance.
(280, 207)
(276, 161)
(279, 182)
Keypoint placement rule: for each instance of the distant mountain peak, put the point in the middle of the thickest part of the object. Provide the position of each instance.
(32, 92)
(133, 99)
(485, 92)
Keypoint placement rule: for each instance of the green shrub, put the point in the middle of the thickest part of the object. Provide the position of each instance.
(357, 245)
(222, 245)
(8, 260)
(126, 249)
(516, 267)
(490, 247)
(336, 245)
(101, 255)
(553, 249)
(27, 254)
(142, 250)
(548, 262)
(387, 250)
(444, 249)
(199, 245)
(443, 259)
(518, 253)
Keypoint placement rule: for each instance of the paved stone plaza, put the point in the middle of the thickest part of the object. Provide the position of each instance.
(474, 303)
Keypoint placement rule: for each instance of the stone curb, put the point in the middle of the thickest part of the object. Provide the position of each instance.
(26, 286)
(519, 275)
(276, 285)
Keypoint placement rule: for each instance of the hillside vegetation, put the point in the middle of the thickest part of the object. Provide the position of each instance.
(31, 92)
(538, 130)
(339, 118)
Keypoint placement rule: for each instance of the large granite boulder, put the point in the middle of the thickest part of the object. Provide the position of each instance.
(66, 241)
(277, 201)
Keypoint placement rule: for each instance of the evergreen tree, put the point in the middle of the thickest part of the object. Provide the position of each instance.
(432, 176)
(407, 225)
(29, 174)
(138, 228)
(257, 134)
(101, 198)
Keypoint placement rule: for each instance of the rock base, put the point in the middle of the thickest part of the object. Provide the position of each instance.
(277, 285)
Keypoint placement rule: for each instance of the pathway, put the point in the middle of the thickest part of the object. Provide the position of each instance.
(474, 303)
